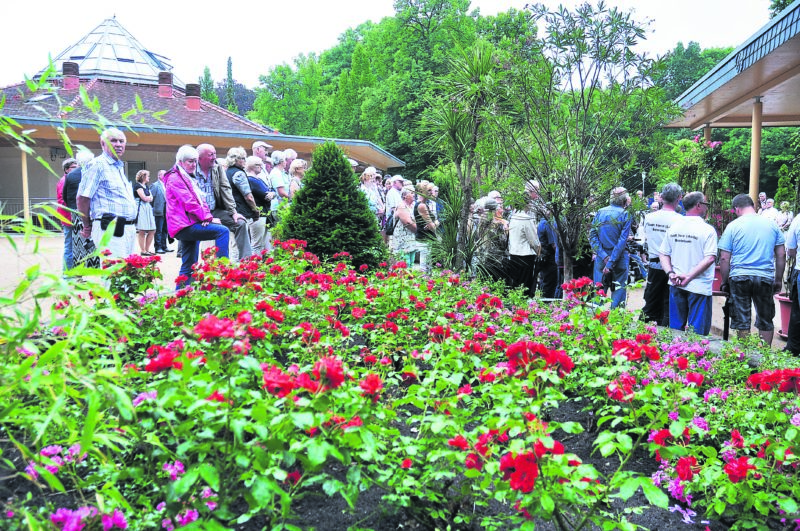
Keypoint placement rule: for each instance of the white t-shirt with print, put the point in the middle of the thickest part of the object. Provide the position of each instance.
(687, 242)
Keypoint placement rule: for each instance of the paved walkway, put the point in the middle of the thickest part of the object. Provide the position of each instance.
(49, 250)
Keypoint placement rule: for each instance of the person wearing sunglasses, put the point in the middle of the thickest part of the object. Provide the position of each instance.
(687, 255)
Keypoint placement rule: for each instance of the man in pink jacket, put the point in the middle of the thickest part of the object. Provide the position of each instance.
(189, 219)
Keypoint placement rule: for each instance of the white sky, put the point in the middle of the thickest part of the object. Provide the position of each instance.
(193, 38)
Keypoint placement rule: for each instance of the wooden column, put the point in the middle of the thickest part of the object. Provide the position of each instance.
(755, 149)
(707, 133)
(26, 199)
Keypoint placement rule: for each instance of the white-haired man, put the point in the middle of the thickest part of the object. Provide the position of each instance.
(260, 150)
(105, 195)
(220, 199)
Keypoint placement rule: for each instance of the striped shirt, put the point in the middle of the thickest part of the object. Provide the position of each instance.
(110, 192)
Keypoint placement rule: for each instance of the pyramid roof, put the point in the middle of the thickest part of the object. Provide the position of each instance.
(110, 52)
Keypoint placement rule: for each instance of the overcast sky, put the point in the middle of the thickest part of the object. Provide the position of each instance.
(258, 35)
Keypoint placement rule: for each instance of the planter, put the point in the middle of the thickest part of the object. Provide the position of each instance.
(785, 304)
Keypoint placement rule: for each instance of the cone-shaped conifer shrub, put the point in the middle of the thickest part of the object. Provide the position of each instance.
(332, 214)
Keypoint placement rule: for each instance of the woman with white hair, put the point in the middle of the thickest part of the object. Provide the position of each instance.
(297, 171)
(189, 219)
(370, 189)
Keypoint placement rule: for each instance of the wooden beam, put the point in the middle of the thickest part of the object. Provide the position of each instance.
(755, 149)
(26, 197)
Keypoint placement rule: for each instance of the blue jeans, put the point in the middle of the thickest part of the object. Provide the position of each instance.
(689, 308)
(191, 237)
(619, 276)
(69, 261)
(161, 233)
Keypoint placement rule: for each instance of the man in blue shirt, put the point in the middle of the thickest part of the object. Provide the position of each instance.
(547, 262)
(608, 236)
(751, 263)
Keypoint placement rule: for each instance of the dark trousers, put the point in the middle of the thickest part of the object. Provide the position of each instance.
(656, 297)
(547, 269)
(161, 233)
(520, 272)
(793, 342)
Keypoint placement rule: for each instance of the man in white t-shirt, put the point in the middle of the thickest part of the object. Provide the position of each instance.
(751, 263)
(655, 226)
(687, 255)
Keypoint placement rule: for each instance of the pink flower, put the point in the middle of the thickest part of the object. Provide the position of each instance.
(115, 519)
(406, 463)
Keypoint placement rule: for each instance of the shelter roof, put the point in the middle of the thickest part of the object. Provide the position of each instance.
(767, 65)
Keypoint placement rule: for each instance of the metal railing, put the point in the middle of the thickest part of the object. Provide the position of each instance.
(14, 206)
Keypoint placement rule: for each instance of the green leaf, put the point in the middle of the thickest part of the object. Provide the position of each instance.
(571, 427)
(184, 483)
(788, 505)
(629, 488)
(303, 419)
(654, 495)
(676, 429)
(547, 502)
(317, 452)
(625, 442)
(210, 476)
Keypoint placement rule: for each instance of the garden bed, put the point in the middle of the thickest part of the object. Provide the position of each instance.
(291, 393)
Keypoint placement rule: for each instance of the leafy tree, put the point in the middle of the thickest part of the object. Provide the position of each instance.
(207, 87)
(683, 67)
(332, 214)
(289, 100)
(243, 97)
(776, 6)
(343, 114)
(456, 122)
(230, 94)
(572, 119)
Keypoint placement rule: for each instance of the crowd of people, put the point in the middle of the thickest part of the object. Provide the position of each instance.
(234, 202)
(682, 250)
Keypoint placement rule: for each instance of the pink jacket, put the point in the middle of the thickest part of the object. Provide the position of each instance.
(60, 198)
(184, 206)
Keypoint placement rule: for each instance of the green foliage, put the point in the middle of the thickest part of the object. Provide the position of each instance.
(682, 67)
(290, 99)
(787, 187)
(332, 214)
(230, 95)
(207, 87)
(776, 6)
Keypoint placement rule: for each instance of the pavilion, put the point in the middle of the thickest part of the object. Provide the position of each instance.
(756, 86)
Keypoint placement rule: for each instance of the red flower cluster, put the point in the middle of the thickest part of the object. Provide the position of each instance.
(687, 467)
(602, 317)
(522, 355)
(737, 469)
(634, 350)
(371, 385)
(211, 327)
(784, 380)
(328, 373)
(522, 470)
(439, 333)
(621, 389)
(578, 288)
(486, 300)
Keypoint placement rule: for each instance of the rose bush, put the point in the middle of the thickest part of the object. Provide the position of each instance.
(228, 401)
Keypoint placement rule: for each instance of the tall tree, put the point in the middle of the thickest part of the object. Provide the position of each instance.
(230, 91)
(682, 67)
(343, 114)
(289, 99)
(207, 87)
(572, 119)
